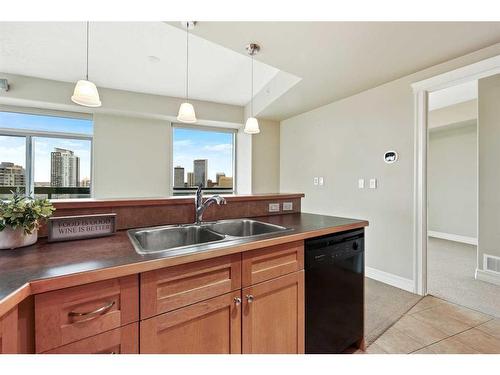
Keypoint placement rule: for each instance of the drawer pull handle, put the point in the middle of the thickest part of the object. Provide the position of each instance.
(249, 298)
(237, 300)
(91, 314)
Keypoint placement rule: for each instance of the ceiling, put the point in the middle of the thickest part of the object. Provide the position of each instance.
(148, 57)
(339, 59)
(314, 62)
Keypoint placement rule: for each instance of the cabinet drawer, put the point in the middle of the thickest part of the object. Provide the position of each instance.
(67, 315)
(170, 288)
(208, 327)
(123, 340)
(271, 262)
(8, 332)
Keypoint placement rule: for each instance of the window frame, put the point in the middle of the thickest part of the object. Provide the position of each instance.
(207, 128)
(30, 134)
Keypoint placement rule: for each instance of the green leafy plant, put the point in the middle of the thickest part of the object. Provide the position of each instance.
(22, 211)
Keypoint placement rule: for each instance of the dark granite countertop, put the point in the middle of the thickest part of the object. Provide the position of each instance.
(48, 266)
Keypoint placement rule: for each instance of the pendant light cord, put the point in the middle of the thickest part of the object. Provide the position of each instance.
(251, 95)
(87, 68)
(187, 62)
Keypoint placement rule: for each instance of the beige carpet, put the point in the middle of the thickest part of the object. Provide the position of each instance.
(384, 306)
(451, 267)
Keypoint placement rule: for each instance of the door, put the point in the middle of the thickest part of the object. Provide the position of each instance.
(208, 327)
(273, 316)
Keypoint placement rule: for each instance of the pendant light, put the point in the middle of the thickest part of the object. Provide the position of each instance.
(85, 92)
(186, 110)
(252, 125)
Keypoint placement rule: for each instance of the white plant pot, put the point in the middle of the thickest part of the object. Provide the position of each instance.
(14, 238)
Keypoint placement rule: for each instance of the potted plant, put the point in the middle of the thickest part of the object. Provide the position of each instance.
(20, 218)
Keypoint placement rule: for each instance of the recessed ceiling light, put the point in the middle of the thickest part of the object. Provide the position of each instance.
(154, 59)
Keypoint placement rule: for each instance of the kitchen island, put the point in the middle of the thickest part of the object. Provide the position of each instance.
(65, 295)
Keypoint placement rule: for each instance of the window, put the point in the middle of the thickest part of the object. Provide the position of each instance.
(203, 155)
(47, 155)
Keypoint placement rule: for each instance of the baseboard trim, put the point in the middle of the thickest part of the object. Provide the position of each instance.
(453, 237)
(488, 276)
(390, 279)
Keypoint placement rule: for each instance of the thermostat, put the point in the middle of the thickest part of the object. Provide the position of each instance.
(391, 157)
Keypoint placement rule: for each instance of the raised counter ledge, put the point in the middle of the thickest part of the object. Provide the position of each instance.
(49, 266)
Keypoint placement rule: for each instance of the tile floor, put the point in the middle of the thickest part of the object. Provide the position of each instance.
(434, 326)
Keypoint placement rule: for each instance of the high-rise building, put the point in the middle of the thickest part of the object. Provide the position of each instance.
(225, 182)
(178, 177)
(12, 174)
(200, 168)
(85, 182)
(218, 176)
(190, 179)
(64, 168)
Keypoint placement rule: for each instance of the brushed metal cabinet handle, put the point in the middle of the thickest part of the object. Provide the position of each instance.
(91, 314)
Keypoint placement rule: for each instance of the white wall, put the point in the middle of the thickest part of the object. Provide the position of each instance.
(344, 141)
(452, 180)
(131, 130)
(266, 158)
(131, 157)
(489, 171)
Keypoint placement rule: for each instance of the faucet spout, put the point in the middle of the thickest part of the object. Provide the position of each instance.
(201, 206)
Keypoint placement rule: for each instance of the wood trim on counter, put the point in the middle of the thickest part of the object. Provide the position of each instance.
(74, 279)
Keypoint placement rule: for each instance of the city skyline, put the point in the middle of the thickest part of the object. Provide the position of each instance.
(190, 145)
(186, 178)
(13, 148)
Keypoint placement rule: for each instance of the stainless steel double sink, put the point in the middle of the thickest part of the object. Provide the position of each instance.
(193, 237)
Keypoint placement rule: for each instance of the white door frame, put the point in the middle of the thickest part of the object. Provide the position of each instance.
(421, 90)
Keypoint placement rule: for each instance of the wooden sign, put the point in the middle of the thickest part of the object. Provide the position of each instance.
(65, 228)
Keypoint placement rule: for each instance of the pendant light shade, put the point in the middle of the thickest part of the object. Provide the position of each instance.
(186, 110)
(186, 113)
(85, 92)
(252, 125)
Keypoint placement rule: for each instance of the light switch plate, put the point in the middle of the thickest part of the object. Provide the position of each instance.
(373, 183)
(287, 206)
(321, 181)
(274, 207)
(361, 183)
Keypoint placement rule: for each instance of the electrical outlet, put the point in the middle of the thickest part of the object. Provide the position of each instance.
(287, 206)
(274, 207)
(361, 183)
(321, 181)
(315, 180)
(373, 183)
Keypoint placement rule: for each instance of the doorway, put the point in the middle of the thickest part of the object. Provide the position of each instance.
(457, 197)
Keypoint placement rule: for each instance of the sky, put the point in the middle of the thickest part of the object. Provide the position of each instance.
(12, 149)
(192, 144)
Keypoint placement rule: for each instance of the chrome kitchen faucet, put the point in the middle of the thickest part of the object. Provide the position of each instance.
(202, 206)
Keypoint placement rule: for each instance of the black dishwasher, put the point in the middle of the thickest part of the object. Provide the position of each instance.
(334, 268)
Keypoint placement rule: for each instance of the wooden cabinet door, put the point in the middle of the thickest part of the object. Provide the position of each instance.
(8, 333)
(273, 316)
(208, 327)
(123, 340)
